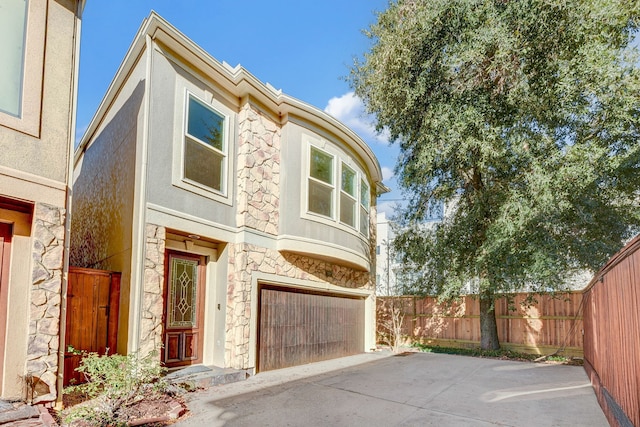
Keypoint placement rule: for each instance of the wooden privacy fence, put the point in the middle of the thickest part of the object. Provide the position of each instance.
(612, 336)
(542, 328)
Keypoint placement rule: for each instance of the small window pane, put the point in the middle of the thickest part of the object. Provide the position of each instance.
(205, 124)
(347, 210)
(348, 180)
(364, 221)
(203, 165)
(320, 197)
(364, 194)
(321, 166)
(13, 15)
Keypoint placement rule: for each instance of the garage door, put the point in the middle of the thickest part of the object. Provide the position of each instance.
(298, 327)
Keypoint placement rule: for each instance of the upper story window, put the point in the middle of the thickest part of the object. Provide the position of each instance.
(13, 25)
(336, 190)
(205, 154)
(321, 182)
(22, 64)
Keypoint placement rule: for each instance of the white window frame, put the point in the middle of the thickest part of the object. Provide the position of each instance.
(178, 175)
(28, 121)
(353, 197)
(331, 185)
(339, 158)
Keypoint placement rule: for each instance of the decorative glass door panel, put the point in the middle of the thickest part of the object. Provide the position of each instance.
(183, 312)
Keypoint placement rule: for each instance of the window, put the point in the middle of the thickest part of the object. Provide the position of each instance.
(320, 182)
(337, 190)
(364, 208)
(348, 196)
(13, 24)
(204, 146)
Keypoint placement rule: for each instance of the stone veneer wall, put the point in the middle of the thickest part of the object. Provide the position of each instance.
(258, 171)
(245, 259)
(152, 300)
(46, 288)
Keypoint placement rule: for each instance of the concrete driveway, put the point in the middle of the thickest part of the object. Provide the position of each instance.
(414, 389)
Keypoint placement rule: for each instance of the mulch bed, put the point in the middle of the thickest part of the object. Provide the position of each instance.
(154, 410)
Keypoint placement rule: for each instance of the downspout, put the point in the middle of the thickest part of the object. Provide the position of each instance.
(140, 211)
(69, 176)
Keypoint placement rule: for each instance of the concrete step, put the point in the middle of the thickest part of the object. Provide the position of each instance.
(202, 377)
(13, 412)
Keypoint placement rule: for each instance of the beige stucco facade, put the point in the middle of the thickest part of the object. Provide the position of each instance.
(34, 175)
(132, 204)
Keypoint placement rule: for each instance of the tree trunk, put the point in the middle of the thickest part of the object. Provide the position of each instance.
(488, 327)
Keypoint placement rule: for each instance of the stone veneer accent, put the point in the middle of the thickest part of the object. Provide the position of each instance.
(46, 289)
(245, 259)
(152, 300)
(258, 171)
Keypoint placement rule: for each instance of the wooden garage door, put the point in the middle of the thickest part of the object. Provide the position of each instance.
(297, 327)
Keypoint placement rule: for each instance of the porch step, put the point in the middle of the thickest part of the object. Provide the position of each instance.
(201, 376)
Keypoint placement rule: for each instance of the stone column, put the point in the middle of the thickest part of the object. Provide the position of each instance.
(152, 303)
(45, 308)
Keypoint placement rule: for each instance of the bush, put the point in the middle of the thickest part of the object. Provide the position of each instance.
(114, 383)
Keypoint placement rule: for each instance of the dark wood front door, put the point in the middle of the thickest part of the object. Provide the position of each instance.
(184, 309)
(6, 230)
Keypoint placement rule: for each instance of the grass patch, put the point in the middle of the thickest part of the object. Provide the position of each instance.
(503, 354)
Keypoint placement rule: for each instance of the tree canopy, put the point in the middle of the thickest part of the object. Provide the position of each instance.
(524, 117)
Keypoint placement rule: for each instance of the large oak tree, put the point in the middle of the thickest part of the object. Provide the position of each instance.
(522, 115)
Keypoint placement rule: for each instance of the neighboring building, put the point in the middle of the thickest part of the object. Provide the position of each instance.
(386, 261)
(39, 54)
(241, 219)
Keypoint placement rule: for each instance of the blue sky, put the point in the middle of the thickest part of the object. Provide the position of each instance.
(303, 47)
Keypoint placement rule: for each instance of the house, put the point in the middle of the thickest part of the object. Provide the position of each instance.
(240, 219)
(39, 54)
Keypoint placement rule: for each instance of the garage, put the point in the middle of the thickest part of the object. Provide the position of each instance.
(297, 327)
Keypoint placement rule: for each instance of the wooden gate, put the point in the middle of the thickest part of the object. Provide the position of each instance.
(93, 298)
(301, 327)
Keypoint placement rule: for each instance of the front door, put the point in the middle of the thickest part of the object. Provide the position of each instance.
(184, 309)
(6, 231)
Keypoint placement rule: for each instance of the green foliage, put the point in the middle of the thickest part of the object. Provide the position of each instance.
(524, 117)
(115, 382)
(497, 354)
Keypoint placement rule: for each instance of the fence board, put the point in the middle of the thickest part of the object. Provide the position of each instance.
(550, 323)
(612, 331)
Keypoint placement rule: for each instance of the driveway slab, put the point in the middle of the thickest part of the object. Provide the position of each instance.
(414, 389)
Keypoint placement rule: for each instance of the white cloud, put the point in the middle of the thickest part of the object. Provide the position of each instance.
(389, 208)
(349, 109)
(387, 173)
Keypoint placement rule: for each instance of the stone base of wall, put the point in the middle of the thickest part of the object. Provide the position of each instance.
(46, 288)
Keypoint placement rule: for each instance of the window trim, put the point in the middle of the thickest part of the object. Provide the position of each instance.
(178, 177)
(28, 121)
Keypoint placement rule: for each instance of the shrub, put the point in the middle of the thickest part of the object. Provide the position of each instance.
(115, 382)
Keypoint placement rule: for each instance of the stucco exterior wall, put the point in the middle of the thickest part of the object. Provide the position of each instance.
(104, 193)
(34, 168)
(169, 85)
(45, 152)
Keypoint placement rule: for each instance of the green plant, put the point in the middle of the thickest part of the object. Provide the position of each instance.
(390, 320)
(115, 382)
